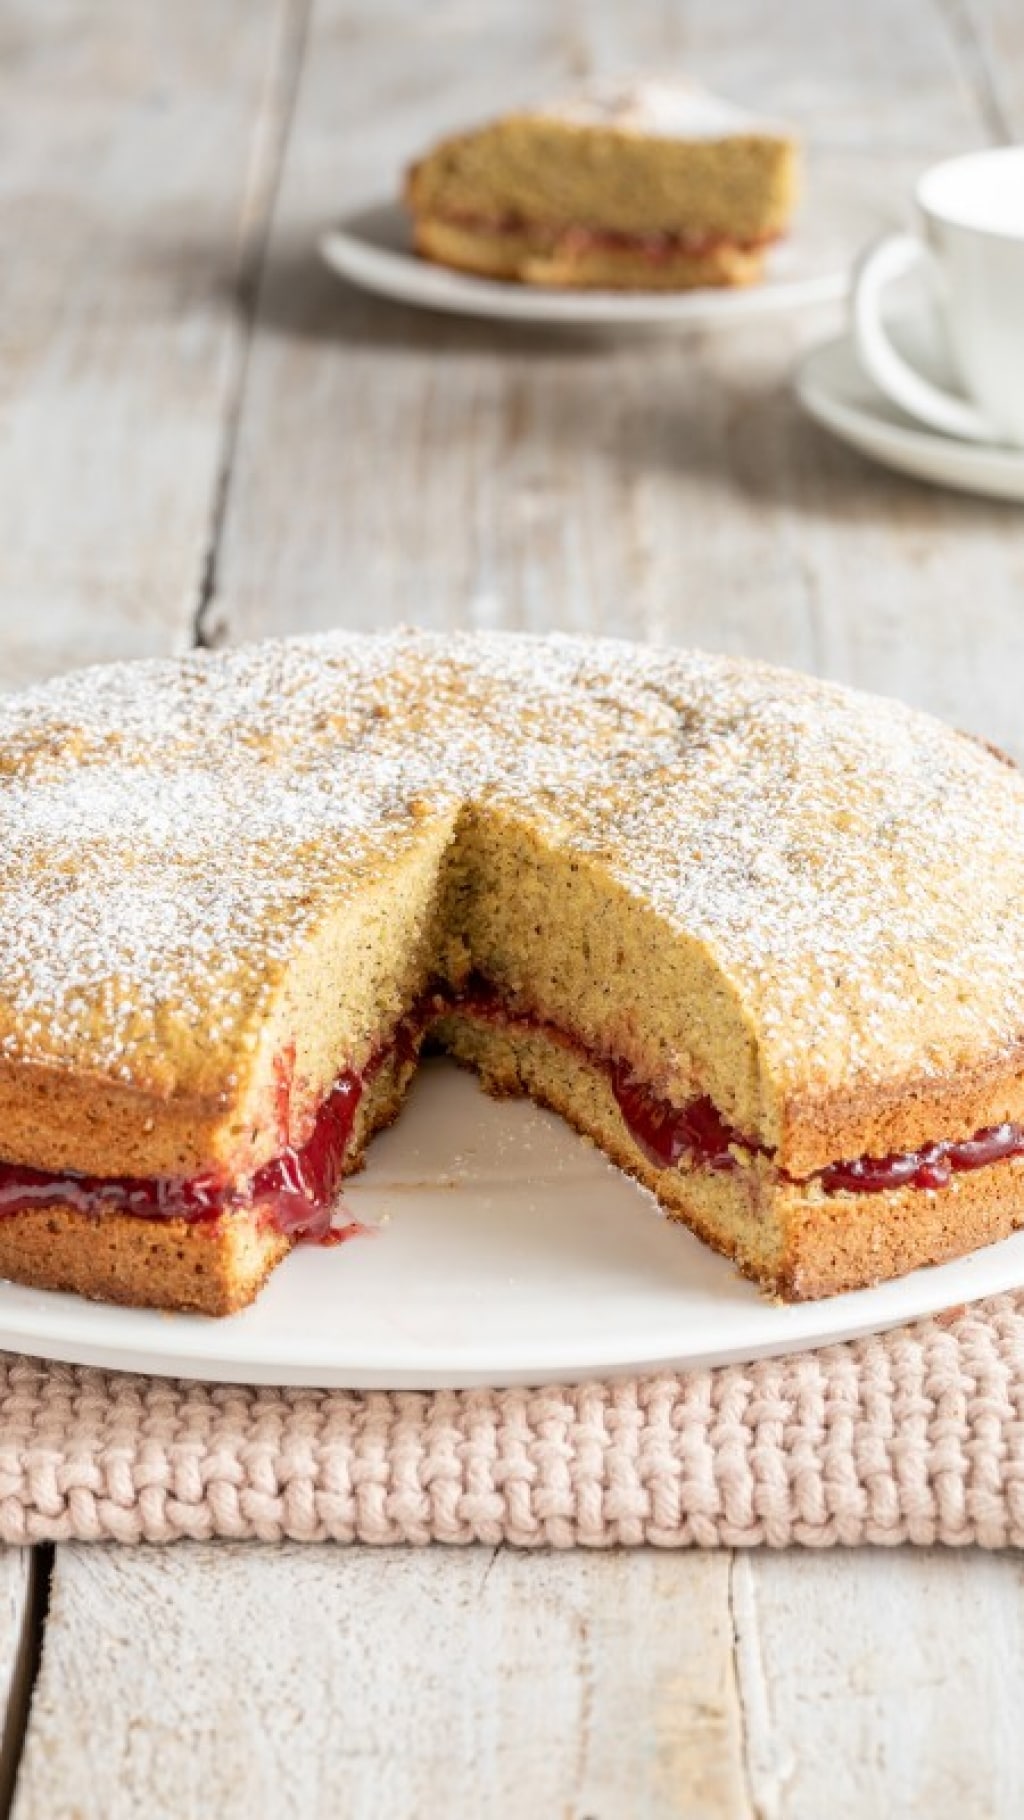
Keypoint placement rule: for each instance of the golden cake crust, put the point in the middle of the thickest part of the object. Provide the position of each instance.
(803, 903)
(198, 1269)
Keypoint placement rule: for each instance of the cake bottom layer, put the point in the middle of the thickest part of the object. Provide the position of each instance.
(584, 262)
(213, 1267)
(793, 1238)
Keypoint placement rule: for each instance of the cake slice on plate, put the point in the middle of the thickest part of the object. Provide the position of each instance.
(648, 186)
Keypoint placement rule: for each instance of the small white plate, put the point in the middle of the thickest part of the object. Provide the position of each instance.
(373, 249)
(507, 1252)
(834, 389)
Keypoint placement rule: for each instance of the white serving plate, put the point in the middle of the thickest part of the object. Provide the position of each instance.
(372, 248)
(508, 1252)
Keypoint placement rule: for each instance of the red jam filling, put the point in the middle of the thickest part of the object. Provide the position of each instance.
(933, 1166)
(296, 1191)
(698, 1133)
(667, 1133)
(656, 245)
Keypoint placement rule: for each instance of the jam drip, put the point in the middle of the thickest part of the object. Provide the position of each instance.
(295, 1192)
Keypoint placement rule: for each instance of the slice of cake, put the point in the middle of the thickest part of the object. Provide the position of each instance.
(760, 937)
(651, 186)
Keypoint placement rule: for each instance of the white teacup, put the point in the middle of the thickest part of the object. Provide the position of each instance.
(972, 211)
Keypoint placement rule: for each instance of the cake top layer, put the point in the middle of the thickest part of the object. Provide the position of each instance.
(637, 158)
(659, 109)
(172, 830)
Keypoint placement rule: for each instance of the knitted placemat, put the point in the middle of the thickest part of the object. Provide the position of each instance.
(912, 1436)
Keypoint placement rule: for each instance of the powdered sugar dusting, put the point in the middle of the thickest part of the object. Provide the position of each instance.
(171, 831)
(658, 108)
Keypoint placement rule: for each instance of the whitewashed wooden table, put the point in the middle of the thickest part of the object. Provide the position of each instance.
(203, 436)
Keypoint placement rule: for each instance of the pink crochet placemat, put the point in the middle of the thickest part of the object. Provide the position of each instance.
(913, 1436)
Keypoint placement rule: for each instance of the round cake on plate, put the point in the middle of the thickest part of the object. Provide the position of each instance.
(760, 937)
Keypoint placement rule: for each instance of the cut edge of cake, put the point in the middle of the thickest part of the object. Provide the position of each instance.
(792, 1239)
(787, 1234)
(212, 1267)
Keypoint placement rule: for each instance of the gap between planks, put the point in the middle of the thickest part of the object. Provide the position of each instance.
(25, 1576)
(257, 216)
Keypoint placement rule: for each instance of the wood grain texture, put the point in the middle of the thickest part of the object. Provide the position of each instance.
(307, 1682)
(883, 1684)
(210, 1683)
(138, 158)
(20, 1616)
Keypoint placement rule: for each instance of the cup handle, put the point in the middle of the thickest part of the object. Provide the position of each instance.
(888, 259)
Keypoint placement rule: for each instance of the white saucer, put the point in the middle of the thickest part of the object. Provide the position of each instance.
(373, 249)
(832, 386)
(507, 1252)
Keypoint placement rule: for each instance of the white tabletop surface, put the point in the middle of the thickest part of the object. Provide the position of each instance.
(205, 435)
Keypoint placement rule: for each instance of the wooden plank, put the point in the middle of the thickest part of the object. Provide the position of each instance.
(881, 1683)
(302, 1681)
(139, 154)
(222, 1682)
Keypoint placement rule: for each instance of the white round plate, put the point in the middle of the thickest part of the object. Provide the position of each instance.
(373, 249)
(506, 1252)
(836, 392)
